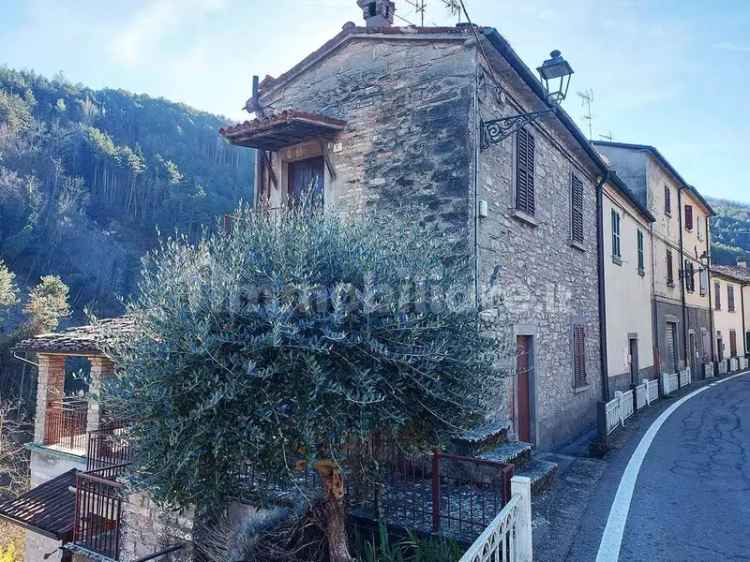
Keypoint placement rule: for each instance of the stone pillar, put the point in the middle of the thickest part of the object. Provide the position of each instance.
(101, 368)
(50, 388)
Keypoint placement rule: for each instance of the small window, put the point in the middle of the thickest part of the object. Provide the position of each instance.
(717, 294)
(576, 209)
(616, 241)
(667, 201)
(579, 355)
(730, 298)
(641, 254)
(703, 276)
(689, 217)
(689, 274)
(525, 201)
(670, 269)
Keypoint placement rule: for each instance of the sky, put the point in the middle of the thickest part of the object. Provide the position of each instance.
(669, 73)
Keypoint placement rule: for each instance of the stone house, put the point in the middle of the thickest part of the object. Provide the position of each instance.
(627, 271)
(380, 115)
(680, 251)
(730, 285)
(77, 457)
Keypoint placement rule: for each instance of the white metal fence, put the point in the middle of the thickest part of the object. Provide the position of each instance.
(685, 377)
(723, 367)
(626, 405)
(708, 370)
(734, 364)
(508, 537)
(669, 383)
(614, 417)
(641, 396)
(743, 363)
(652, 391)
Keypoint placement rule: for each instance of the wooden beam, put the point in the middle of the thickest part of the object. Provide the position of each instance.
(324, 151)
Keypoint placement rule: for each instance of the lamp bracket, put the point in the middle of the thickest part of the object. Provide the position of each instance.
(497, 130)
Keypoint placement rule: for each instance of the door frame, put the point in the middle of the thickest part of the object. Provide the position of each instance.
(634, 375)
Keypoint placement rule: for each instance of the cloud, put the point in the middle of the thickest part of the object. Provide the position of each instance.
(732, 47)
(156, 20)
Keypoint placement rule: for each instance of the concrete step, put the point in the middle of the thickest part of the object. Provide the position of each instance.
(540, 472)
(516, 452)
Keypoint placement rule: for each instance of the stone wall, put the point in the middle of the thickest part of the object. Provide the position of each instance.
(148, 529)
(543, 281)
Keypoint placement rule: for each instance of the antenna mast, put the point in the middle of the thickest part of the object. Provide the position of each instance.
(587, 99)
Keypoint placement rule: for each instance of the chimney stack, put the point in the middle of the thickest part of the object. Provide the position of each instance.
(378, 13)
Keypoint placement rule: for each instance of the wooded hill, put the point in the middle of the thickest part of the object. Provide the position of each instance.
(87, 177)
(731, 231)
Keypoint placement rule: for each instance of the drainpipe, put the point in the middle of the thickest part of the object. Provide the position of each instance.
(710, 291)
(682, 280)
(744, 330)
(602, 292)
(477, 148)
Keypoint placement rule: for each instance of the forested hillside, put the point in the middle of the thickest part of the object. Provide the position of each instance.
(88, 177)
(731, 231)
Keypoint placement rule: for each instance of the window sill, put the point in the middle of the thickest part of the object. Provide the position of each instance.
(617, 260)
(578, 245)
(580, 389)
(525, 217)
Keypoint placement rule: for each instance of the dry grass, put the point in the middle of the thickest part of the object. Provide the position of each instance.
(12, 534)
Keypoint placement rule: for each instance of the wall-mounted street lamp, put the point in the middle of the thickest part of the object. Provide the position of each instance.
(556, 68)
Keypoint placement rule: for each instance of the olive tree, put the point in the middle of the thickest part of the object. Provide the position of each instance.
(289, 339)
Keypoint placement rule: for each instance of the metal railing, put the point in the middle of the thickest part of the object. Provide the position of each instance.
(640, 396)
(628, 405)
(98, 511)
(108, 447)
(670, 383)
(652, 391)
(65, 423)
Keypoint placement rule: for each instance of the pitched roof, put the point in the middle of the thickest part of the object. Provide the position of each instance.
(48, 509)
(741, 274)
(281, 130)
(82, 340)
(626, 192)
(664, 162)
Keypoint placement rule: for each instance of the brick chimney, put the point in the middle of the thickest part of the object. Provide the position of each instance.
(378, 13)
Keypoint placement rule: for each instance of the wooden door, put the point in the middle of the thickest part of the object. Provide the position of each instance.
(634, 367)
(523, 371)
(306, 181)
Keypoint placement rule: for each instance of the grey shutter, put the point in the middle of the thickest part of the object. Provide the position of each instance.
(525, 172)
(577, 209)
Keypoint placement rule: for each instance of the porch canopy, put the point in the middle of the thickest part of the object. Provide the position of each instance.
(49, 509)
(90, 340)
(281, 130)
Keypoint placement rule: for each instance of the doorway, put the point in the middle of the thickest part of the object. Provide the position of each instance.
(305, 182)
(692, 351)
(672, 359)
(524, 373)
(634, 364)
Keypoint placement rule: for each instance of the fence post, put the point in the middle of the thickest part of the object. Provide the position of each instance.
(521, 486)
(435, 491)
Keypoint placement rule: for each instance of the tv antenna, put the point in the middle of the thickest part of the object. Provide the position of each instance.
(607, 136)
(420, 8)
(587, 99)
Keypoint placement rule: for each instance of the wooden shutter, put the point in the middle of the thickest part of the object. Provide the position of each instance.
(525, 172)
(579, 355)
(730, 298)
(667, 200)
(689, 217)
(717, 295)
(641, 253)
(577, 208)
(672, 347)
(733, 343)
(670, 268)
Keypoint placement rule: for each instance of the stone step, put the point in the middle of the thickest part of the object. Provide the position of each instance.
(516, 452)
(540, 472)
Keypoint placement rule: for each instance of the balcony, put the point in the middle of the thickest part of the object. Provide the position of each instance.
(65, 425)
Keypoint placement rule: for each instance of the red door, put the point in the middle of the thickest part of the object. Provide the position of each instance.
(523, 365)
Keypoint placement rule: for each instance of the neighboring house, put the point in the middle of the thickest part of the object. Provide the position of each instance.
(680, 249)
(77, 456)
(730, 310)
(628, 277)
(382, 115)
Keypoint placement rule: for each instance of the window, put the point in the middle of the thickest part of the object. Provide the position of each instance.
(689, 274)
(689, 217)
(733, 343)
(667, 201)
(703, 276)
(579, 355)
(717, 294)
(641, 254)
(616, 247)
(525, 172)
(730, 298)
(670, 269)
(576, 209)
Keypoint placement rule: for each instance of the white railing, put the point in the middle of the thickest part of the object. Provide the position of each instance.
(614, 417)
(640, 396)
(684, 377)
(723, 367)
(734, 364)
(743, 363)
(508, 537)
(652, 391)
(708, 369)
(626, 405)
(669, 383)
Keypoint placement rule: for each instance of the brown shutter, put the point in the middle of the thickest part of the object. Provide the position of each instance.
(579, 355)
(667, 200)
(670, 268)
(689, 217)
(525, 172)
(577, 209)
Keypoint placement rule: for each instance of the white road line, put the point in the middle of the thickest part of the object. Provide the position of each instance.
(609, 547)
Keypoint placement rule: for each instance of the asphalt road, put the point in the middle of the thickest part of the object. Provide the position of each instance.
(691, 500)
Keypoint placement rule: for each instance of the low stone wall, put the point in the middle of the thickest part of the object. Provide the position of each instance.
(147, 529)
